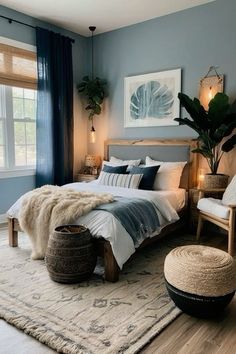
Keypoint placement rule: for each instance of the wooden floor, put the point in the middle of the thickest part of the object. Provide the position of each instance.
(186, 335)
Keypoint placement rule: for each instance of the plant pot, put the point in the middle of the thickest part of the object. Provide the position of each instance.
(70, 255)
(215, 181)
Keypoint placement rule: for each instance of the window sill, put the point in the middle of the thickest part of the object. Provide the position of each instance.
(17, 173)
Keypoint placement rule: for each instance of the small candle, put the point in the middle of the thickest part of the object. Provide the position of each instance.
(201, 177)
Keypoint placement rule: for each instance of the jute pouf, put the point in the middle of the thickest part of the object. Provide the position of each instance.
(200, 280)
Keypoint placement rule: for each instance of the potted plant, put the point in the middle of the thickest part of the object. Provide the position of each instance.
(94, 91)
(214, 128)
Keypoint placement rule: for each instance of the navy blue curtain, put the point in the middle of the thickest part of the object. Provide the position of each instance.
(54, 124)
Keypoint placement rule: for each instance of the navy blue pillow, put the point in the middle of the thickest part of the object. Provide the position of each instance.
(115, 169)
(149, 174)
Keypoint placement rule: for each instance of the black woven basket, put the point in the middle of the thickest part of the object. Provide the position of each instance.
(70, 255)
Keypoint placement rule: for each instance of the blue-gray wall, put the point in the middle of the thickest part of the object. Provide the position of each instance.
(12, 188)
(192, 39)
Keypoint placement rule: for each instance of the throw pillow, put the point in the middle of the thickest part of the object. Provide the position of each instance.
(149, 174)
(119, 180)
(115, 169)
(168, 175)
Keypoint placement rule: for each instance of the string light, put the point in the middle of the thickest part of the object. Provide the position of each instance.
(92, 139)
(210, 94)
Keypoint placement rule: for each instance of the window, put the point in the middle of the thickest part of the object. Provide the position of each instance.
(17, 127)
(18, 97)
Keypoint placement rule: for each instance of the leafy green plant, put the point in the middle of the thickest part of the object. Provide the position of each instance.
(213, 126)
(94, 92)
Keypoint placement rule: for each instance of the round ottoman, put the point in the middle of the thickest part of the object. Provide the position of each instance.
(200, 280)
(70, 255)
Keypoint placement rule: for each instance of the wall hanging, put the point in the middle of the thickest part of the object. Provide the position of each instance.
(152, 99)
(94, 92)
(210, 85)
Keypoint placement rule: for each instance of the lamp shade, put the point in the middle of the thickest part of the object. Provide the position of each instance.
(92, 161)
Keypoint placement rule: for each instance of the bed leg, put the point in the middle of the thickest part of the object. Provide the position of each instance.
(111, 266)
(12, 234)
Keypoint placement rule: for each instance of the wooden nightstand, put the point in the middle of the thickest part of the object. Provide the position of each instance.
(194, 195)
(81, 177)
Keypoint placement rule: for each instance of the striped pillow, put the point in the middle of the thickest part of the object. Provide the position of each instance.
(120, 180)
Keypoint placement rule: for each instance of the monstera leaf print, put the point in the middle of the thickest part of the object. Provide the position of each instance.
(151, 100)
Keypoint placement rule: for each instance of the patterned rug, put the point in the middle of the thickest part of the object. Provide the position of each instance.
(93, 316)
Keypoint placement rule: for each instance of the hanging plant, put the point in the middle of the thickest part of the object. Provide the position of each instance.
(93, 89)
(94, 92)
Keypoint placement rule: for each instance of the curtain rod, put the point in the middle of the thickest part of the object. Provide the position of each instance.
(10, 20)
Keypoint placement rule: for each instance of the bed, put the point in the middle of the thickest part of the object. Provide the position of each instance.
(165, 150)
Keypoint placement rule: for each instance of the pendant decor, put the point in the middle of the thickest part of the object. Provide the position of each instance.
(210, 85)
(94, 91)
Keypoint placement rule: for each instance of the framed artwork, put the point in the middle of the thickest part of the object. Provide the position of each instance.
(152, 99)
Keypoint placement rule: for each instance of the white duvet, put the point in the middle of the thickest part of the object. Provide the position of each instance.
(104, 224)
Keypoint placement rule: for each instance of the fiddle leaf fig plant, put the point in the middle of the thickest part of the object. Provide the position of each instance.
(94, 92)
(214, 127)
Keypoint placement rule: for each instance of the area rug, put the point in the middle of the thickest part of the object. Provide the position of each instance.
(93, 316)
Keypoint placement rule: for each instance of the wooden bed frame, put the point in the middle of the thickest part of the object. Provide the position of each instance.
(103, 247)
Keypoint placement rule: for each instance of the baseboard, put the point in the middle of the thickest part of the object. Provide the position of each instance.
(3, 218)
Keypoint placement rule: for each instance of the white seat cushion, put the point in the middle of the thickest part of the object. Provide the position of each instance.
(213, 206)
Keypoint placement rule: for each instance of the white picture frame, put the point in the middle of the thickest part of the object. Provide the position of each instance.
(152, 99)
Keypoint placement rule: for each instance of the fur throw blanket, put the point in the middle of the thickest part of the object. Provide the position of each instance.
(47, 207)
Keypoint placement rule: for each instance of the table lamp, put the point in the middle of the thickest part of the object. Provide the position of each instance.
(92, 162)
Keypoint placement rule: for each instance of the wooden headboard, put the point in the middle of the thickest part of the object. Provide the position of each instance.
(162, 150)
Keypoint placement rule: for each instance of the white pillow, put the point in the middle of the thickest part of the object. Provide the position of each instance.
(120, 180)
(229, 196)
(120, 162)
(168, 175)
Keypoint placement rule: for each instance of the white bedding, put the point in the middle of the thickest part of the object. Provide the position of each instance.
(104, 224)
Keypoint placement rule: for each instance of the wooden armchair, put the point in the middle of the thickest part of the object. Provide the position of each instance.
(225, 221)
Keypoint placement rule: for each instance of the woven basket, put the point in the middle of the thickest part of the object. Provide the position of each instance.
(215, 181)
(70, 256)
